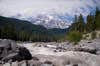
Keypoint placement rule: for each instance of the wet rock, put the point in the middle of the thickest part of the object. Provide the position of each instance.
(24, 54)
(75, 64)
(47, 62)
(35, 58)
(81, 49)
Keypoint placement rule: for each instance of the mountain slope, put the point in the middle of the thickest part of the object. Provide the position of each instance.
(36, 30)
(21, 25)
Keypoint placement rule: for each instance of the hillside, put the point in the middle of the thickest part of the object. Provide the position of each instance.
(24, 27)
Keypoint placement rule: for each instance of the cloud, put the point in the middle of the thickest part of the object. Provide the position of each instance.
(33, 7)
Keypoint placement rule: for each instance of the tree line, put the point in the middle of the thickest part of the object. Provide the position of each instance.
(92, 22)
(80, 27)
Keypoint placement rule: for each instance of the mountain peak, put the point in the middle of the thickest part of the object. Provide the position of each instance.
(47, 20)
(50, 21)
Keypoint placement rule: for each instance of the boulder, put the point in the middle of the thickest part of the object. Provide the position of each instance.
(7, 47)
(10, 51)
(22, 54)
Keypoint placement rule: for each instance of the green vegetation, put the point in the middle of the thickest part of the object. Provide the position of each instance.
(93, 35)
(92, 23)
(78, 25)
(97, 19)
(74, 36)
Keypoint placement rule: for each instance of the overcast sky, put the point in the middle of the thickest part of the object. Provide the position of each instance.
(32, 7)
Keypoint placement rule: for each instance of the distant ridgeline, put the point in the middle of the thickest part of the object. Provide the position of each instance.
(21, 30)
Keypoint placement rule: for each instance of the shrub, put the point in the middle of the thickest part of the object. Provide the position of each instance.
(74, 36)
(93, 35)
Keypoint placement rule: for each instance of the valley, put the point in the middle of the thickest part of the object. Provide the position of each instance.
(49, 33)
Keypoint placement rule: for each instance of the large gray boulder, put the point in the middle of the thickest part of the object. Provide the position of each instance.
(10, 51)
(7, 47)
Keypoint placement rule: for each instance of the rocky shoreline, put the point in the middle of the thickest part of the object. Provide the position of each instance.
(85, 53)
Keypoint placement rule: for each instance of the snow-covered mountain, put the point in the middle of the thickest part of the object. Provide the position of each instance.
(50, 21)
(47, 20)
